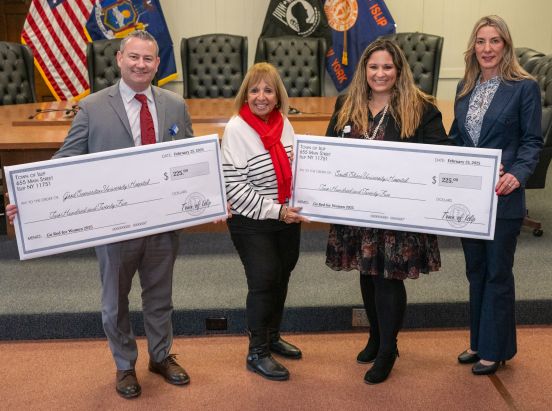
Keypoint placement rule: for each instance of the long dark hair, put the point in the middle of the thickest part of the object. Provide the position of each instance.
(407, 100)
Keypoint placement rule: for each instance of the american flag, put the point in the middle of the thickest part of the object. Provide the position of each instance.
(55, 31)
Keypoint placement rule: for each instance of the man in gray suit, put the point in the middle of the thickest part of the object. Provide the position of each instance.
(115, 118)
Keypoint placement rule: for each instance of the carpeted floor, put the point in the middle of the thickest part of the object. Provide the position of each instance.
(79, 375)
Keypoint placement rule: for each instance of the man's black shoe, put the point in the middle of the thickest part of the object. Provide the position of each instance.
(127, 384)
(170, 370)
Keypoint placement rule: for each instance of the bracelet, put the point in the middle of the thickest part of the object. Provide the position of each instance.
(283, 213)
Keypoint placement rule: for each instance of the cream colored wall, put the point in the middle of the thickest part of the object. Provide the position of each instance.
(188, 18)
(529, 22)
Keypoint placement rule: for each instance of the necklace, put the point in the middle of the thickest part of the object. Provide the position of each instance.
(373, 134)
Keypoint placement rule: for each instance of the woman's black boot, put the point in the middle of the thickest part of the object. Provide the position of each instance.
(369, 353)
(260, 361)
(278, 345)
(382, 368)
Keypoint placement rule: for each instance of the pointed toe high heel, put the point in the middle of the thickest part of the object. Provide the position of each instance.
(482, 369)
(468, 358)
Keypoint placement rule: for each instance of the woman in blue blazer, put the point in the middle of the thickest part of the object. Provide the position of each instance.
(498, 106)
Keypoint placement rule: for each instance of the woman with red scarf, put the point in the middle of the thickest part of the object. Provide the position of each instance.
(256, 152)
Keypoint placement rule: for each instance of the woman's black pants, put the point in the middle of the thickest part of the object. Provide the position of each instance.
(268, 250)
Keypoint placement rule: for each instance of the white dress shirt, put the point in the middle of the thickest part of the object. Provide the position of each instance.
(133, 106)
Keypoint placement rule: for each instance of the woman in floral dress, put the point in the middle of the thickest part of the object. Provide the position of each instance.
(383, 103)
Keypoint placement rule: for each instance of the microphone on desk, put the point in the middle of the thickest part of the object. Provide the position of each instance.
(68, 111)
(73, 110)
(293, 110)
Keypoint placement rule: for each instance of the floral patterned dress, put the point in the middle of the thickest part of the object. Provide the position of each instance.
(396, 255)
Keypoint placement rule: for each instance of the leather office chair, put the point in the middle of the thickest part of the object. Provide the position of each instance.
(301, 62)
(17, 84)
(542, 71)
(102, 63)
(213, 65)
(527, 57)
(423, 52)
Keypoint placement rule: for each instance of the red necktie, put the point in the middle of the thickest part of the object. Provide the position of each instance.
(147, 130)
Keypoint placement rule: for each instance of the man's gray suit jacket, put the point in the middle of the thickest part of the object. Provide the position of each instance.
(102, 124)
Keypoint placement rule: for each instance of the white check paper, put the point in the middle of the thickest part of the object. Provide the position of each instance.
(93, 199)
(424, 188)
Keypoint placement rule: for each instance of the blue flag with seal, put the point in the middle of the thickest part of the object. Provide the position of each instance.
(116, 18)
(354, 25)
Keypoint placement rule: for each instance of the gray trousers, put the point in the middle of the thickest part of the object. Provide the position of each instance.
(153, 257)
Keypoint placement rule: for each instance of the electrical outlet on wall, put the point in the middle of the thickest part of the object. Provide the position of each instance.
(359, 318)
(216, 324)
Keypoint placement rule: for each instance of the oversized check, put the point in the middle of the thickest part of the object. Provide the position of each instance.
(399, 186)
(93, 199)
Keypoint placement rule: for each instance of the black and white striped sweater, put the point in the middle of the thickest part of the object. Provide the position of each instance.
(251, 185)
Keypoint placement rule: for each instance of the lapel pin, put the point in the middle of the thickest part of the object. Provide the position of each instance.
(173, 130)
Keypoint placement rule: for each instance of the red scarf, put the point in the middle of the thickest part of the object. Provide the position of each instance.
(271, 134)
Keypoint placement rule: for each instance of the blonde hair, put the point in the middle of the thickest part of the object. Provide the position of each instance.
(268, 73)
(407, 100)
(509, 67)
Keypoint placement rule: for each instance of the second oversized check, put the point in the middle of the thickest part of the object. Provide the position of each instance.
(82, 201)
(399, 186)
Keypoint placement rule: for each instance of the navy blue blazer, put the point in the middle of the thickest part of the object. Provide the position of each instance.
(512, 124)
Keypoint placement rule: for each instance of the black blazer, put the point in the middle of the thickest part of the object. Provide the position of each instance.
(430, 130)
